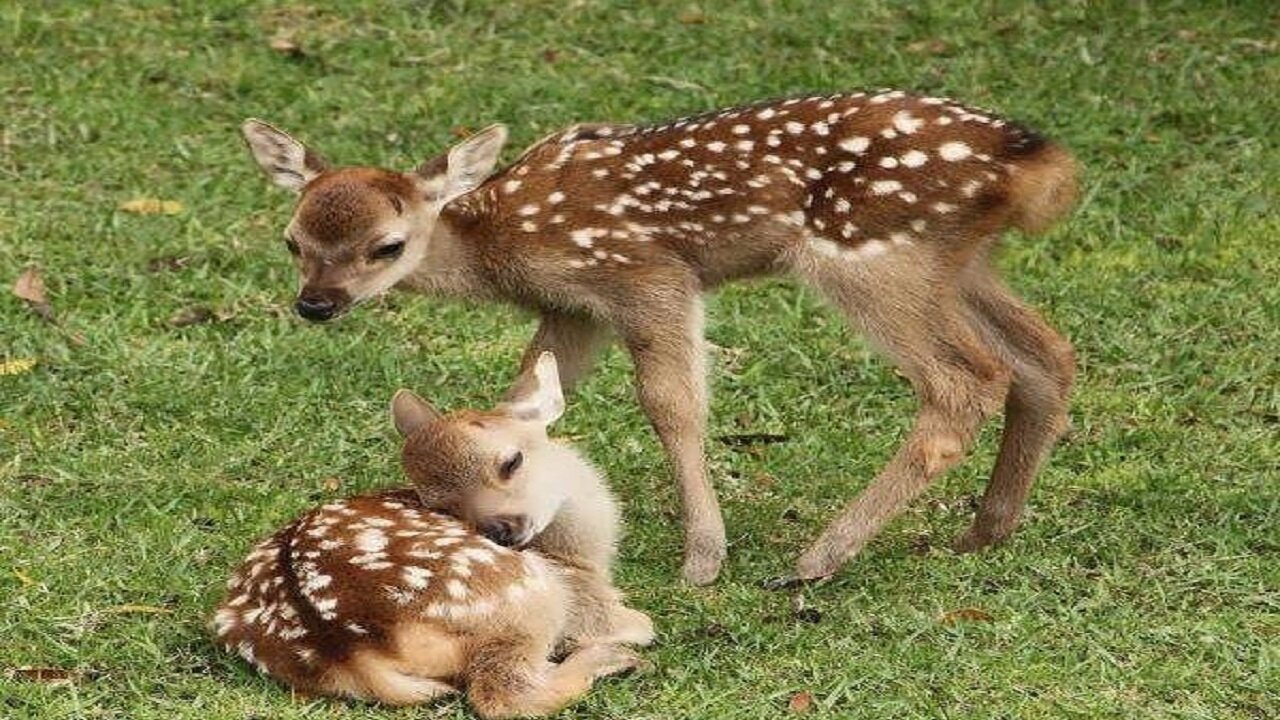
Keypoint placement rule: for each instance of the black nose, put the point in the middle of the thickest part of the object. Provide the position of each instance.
(317, 309)
(505, 530)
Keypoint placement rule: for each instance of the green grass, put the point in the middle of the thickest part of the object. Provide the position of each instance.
(138, 460)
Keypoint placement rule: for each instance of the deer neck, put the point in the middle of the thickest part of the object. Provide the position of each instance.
(448, 267)
(584, 532)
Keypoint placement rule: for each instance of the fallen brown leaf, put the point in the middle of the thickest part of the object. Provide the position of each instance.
(462, 132)
(692, 16)
(331, 484)
(801, 702)
(25, 578)
(965, 614)
(152, 206)
(30, 287)
(932, 46)
(286, 45)
(47, 675)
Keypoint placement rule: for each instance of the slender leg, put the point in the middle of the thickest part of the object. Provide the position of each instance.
(670, 367)
(510, 678)
(576, 341)
(1035, 410)
(960, 383)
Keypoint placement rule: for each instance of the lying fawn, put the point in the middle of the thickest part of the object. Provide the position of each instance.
(397, 597)
(889, 204)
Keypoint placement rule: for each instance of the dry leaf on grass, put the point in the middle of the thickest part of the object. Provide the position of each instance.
(965, 614)
(932, 46)
(801, 702)
(23, 577)
(17, 366)
(46, 675)
(152, 206)
(286, 45)
(692, 16)
(331, 484)
(30, 287)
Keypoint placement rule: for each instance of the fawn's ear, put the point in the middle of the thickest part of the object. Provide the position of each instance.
(286, 161)
(410, 412)
(466, 165)
(536, 395)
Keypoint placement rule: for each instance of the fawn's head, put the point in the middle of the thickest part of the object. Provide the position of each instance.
(357, 231)
(496, 469)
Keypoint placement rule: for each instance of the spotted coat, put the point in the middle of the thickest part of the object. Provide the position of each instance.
(743, 190)
(341, 577)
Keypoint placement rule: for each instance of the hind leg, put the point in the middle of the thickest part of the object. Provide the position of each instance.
(1035, 409)
(960, 382)
(511, 678)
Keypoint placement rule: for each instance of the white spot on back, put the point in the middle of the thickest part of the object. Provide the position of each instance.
(856, 145)
(905, 123)
(913, 158)
(371, 540)
(456, 589)
(415, 577)
(954, 151)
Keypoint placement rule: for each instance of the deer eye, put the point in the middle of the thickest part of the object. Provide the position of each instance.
(389, 251)
(510, 465)
(292, 245)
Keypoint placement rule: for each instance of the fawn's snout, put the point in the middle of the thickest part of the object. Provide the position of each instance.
(507, 530)
(319, 305)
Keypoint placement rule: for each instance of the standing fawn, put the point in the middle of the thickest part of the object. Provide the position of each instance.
(889, 204)
(395, 597)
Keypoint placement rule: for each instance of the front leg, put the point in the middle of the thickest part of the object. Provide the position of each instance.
(670, 366)
(576, 341)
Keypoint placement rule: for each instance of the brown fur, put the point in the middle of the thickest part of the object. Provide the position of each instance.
(383, 597)
(886, 203)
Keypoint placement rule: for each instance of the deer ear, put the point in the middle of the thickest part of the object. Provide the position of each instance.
(410, 412)
(536, 395)
(286, 161)
(471, 161)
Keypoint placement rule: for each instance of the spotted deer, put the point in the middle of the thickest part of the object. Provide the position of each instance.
(889, 204)
(498, 556)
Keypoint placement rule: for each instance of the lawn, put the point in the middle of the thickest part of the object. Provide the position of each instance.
(177, 410)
